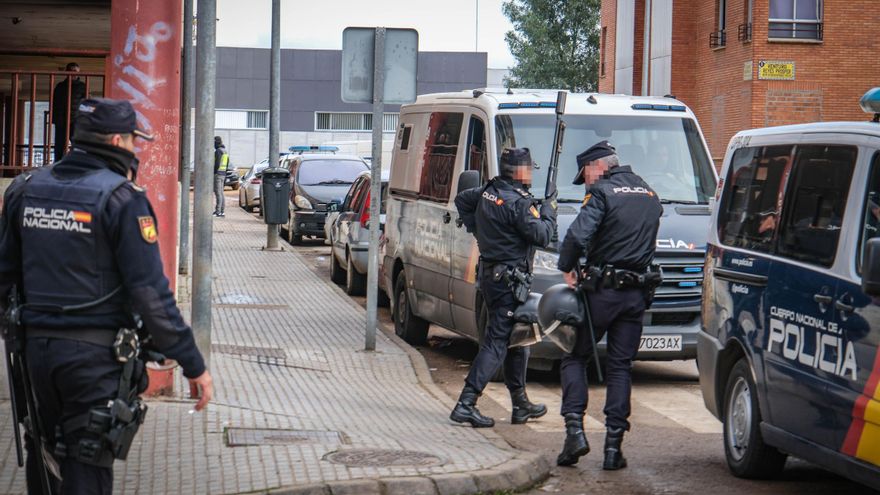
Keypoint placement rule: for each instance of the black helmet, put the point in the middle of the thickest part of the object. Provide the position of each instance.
(561, 314)
(526, 330)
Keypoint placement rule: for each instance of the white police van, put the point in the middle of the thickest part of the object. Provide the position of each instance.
(788, 352)
(429, 260)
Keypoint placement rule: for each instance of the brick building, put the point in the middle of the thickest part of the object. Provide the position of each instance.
(743, 63)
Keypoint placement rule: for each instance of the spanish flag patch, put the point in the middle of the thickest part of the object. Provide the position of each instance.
(586, 199)
(534, 211)
(148, 229)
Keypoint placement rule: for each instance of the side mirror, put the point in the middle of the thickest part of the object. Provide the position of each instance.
(468, 179)
(871, 267)
(333, 206)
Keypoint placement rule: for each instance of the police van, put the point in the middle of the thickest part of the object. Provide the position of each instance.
(788, 350)
(429, 262)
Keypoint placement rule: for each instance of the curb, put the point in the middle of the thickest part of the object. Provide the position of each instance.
(524, 471)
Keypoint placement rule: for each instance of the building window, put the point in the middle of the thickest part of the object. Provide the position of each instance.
(602, 46)
(241, 119)
(353, 121)
(718, 38)
(796, 19)
(744, 31)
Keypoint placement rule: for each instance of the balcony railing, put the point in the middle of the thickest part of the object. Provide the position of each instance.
(718, 39)
(744, 32)
(795, 30)
(30, 126)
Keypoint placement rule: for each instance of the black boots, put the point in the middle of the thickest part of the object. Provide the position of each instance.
(614, 459)
(523, 409)
(466, 411)
(575, 441)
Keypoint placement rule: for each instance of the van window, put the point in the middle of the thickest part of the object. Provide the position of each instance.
(871, 212)
(751, 202)
(815, 202)
(441, 150)
(667, 152)
(476, 156)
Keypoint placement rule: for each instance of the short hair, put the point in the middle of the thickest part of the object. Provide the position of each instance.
(71, 66)
(611, 160)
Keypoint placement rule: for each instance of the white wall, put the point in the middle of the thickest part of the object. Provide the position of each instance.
(624, 45)
(661, 47)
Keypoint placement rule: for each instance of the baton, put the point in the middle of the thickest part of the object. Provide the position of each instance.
(588, 319)
(10, 372)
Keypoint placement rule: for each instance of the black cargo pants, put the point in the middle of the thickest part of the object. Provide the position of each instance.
(493, 350)
(70, 377)
(619, 314)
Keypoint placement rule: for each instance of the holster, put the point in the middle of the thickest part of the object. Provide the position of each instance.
(518, 280)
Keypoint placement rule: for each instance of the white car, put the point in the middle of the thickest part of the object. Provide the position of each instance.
(249, 192)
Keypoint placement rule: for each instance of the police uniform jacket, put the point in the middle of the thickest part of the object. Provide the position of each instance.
(74, 232)
(504, 219)
(617, 224)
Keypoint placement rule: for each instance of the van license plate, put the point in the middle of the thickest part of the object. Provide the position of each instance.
(660, 343)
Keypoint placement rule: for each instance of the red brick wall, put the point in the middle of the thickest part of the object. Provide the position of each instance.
(608, 18)
(638, 46)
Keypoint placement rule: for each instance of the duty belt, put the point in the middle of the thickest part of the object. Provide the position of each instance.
(610, 277)
(97, 336)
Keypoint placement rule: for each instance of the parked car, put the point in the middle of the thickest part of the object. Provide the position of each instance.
(430, 258)
(788, 351)
(232, 179)
(316, 180)
(249, 193)
(350, 235)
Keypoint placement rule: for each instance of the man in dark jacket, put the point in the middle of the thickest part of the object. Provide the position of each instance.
(616, 230)
(508, 225)
(79, 242)
(221, 163)
(62, 105)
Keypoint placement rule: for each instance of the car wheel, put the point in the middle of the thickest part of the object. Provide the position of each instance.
(407, 325)
(337, 273)
(482, 324)
(355, 282)
(747, 454)
(240, 202)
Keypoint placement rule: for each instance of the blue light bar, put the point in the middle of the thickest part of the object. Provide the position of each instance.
(527, 104)
(870, 102)
(662, 108)
(547, 104)
(687, 284)
(502, 106)
(328, 148)
(301, 149)
(693, 269)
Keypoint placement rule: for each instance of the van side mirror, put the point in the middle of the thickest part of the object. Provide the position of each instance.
(468, 179)
(871, 267)
(333, 206)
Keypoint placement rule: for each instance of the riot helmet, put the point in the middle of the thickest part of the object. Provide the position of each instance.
(526, 328)
(561, 314)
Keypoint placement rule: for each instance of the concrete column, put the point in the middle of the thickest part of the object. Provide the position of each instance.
(145, 69)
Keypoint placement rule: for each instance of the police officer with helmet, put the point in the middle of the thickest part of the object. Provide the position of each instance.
(78, 243)
(508, 225)
(616, 230)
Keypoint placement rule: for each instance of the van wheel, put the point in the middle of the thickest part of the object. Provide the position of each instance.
(747, 454)
(337, 274)
(355, 282)
(407, 325)
(482, 323)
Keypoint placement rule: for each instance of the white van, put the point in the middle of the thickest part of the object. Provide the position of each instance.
(429, 258)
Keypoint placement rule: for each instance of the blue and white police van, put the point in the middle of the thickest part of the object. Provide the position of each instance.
(788, 351)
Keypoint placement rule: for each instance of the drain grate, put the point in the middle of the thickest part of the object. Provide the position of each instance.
(242, 437)
(245, 350)
(383, 458)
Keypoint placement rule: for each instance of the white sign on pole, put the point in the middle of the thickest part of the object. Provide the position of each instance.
(401, 65)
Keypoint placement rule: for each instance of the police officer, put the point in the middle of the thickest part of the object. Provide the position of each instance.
(79, 240)
(221, 163)
(616, 230)
(507, 224)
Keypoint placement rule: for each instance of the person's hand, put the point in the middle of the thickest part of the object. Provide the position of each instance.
(571, 279)
(203, 388)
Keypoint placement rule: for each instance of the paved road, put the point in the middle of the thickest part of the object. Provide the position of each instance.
(675, 445)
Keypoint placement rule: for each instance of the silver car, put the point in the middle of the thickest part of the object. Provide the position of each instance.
(349, 235)
(249, 192)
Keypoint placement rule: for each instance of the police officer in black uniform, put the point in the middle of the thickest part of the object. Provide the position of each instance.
(508, 225)
(79, 241)
(616, 230)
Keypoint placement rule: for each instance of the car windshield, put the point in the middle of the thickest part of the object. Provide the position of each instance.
(329, 172)
(667, 152)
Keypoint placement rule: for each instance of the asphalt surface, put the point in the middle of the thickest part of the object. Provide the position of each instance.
(675, 445)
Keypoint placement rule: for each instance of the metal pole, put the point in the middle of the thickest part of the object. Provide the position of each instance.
(477, 27)
(274, 106)
(206, 69)
(375, 186)
(188, 75)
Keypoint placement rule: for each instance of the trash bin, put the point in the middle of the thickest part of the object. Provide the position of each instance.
(274, 195)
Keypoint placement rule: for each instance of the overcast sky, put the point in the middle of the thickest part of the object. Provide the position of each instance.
(443, 25)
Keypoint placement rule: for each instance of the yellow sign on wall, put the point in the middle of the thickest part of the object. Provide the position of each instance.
(776, 70)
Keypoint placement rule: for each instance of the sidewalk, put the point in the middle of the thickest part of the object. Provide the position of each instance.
(299, 406)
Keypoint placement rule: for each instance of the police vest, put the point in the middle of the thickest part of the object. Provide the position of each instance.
(67, 258)
(224, 162)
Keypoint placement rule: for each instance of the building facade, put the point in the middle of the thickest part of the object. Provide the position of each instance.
(743, 64)
(312, 110)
